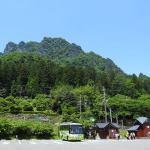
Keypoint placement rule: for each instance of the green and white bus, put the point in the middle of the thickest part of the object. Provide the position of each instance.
(71, 131)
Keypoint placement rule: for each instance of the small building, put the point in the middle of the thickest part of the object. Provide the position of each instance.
(107, 130)
(141, 127)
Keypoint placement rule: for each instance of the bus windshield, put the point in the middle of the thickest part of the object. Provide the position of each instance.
(76, 129)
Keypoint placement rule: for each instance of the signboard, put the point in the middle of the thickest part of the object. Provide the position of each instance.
(92, 119)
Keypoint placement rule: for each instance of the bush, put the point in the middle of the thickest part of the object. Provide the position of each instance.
(24, 128)
(5, 126)
(43, 129)
(28, 107)
(21, 127)
(15, 109)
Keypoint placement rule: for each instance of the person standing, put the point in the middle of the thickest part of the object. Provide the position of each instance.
(118, 135)
(127, 135)
(133, 135)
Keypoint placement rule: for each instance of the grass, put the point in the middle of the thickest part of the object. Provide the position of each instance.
(123, 133)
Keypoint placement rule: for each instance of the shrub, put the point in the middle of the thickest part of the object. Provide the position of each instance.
(43, 129)
(15, 109)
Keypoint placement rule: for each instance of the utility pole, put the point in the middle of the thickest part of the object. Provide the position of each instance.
(80, 106)
(122, 123)
(116, 118)
(20, 91)
(110, 115)
(104, 100)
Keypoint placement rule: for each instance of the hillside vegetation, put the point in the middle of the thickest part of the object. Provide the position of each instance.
(29, 82)
(56, 77)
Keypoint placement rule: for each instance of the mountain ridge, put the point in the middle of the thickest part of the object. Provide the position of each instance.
(62, 52)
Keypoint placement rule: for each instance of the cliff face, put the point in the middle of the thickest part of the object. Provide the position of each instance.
(48, 46)
(61, 51)
(10, 47)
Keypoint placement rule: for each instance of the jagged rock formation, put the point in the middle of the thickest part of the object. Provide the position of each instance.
(61, 51)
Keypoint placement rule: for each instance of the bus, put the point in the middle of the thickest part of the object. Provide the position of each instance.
(71, 131)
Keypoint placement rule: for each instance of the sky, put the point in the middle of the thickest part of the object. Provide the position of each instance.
(114, 29)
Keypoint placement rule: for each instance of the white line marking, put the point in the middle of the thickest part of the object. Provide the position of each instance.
(57, 142)
(84, 143)
(31, 142)
(44, 142)
(6, 142)
(19, 141)
(70, 142)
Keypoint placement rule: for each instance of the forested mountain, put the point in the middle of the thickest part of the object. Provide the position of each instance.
(55, 76)
(62, 52)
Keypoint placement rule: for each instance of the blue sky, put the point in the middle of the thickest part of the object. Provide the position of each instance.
(115, 29)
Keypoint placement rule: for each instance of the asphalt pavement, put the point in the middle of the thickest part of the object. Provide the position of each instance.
(122, 144)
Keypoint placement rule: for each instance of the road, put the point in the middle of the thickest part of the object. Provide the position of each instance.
(79, 145)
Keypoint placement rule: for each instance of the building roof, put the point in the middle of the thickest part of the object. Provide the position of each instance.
(133, 128)
(103, 125)
(115, 125)
(141, 120)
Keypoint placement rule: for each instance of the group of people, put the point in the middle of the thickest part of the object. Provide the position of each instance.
(116, 136)
(130, 136)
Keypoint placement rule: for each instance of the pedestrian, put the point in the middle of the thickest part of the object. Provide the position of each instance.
(131, 135)
(127, 135)
(113, 135)
(118, 136)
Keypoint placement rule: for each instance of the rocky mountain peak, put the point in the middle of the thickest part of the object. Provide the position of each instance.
(61, 51)
(10, 47)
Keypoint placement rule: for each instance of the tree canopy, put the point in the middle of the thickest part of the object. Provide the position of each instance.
(67, 88)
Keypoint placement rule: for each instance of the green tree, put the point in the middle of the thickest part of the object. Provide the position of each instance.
(43, 129)
(60, 97)
(41, 105)
(27, 107)
(118, 85)
(79, 76)
(104, 80)
(23, 76)
(90, 73)
(21, 127)
(5, 126)
(131, 89)
(69, 75)
(4, 105)
(32, 86)
(15, 109)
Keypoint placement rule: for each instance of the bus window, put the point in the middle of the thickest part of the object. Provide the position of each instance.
(76, 129)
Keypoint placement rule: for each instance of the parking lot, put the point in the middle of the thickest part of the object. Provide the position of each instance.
(79, 145)
(123, 144)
